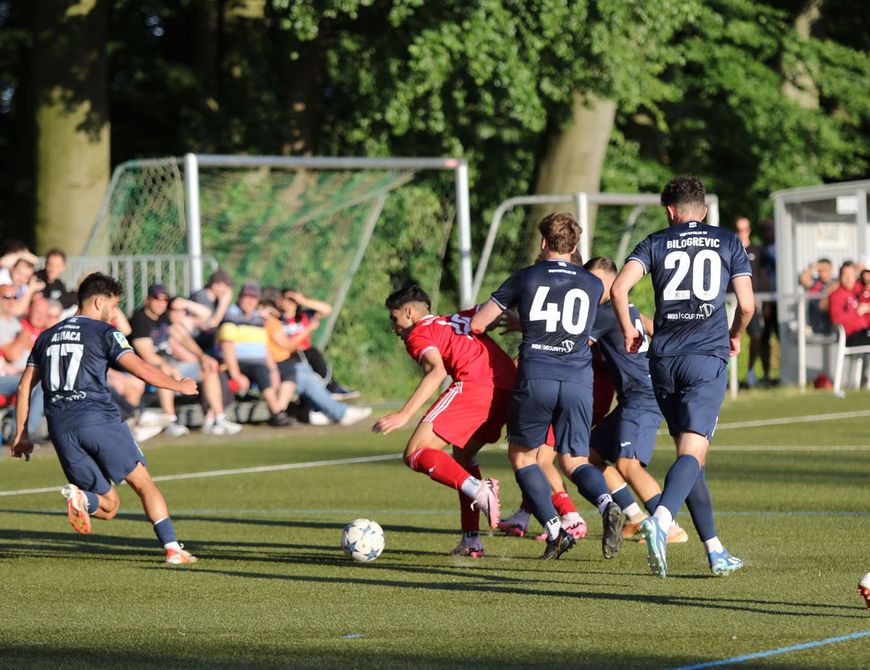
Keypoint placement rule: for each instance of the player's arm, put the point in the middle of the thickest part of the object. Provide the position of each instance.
(21, 445)
(433, 374)
(745, 309)
(154, 376)
(486, 316)
(144, 349)
(630, 274)
(648, 324)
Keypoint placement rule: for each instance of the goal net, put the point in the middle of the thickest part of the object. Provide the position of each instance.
(346, 236)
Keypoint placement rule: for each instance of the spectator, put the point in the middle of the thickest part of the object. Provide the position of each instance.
(862, 289)
(743, 228)
(818, 280)
(296, 374)
(298, 311)
(55, 289)
(152, 337)
(243, 343)
(768, 307)
(25, 284)
(13, 250)
(16, 340)
(846, 310)
(217, 296)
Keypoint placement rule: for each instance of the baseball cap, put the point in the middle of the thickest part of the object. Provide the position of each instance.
(156, 290)
(250, 288)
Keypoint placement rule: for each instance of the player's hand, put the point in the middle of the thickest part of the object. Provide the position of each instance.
(633, 341)
(188, 386)
(735, 346)
(387, 424)
(209, 364)
(21, 446)
(510, 322)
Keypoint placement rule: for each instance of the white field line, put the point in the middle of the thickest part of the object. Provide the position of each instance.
(807, 418)
(236, 471)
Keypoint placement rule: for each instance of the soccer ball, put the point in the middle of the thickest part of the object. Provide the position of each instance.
(363, 540)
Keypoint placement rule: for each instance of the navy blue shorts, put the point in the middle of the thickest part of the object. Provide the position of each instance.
(690, 390)
(627, 432)
(95, 456)
(538, 403)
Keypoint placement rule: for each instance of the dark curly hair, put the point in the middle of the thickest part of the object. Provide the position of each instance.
(98, 283)
(685, 192)
(413, 293)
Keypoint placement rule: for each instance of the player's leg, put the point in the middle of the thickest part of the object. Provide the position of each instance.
(571, 426)
(469, 514)
(154, 504)
(700, 504)
(572, 522)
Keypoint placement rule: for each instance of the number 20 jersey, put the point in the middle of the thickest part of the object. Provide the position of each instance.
(691, 265)
(73, 358)
(556, 301)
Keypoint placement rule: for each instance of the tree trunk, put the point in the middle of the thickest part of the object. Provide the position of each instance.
(804, 90)
(72, 122)
(573, 160)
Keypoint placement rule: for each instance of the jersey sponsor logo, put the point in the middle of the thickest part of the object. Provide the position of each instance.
(120, 339)
(565, 347)
(624, 444)
(568, 345)
(707, 309)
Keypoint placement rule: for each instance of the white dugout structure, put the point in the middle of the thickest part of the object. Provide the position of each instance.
(828, 221)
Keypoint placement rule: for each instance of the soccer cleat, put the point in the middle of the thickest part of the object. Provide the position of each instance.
(176, 429)
(77, 508)
(517, 524)
(676, 534)
(656, 539)
(722, 563)
(179, 556)
(611, 540)
(468, 550)
(487, 501)
(354, 415)
(864, 589)
(555, 548)
(573, 524)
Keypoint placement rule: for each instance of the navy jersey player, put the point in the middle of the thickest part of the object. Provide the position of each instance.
(691, 264)
(556, 301)
(95, 447)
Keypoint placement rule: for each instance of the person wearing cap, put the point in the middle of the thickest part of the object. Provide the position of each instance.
(243, 343)
(153, 336)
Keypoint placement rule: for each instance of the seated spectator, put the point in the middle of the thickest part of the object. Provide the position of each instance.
(16, 340)
(818, 280)
(243, 344)
(153, 336)
(55, 289)
(846, 310)
(216, 297)
(25, 284)
(296, 374)
(298, 310)
(13, 250)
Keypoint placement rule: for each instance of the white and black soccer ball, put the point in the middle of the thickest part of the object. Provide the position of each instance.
(363, 540)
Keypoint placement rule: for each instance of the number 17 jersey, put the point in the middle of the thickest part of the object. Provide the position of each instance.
(73, 358)
(691, 265)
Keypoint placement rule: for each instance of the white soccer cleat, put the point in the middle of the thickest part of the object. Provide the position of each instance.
(487, 501)
(179, 556)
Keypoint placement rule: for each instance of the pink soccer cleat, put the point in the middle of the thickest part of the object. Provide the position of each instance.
(77, 508)
(487, 501)
(468, 550)
(179, 556)
(864, 589)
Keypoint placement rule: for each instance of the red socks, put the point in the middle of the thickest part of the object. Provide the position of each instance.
(440, 466)
(563, 503)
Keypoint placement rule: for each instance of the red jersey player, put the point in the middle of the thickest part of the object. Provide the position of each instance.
(470, 413)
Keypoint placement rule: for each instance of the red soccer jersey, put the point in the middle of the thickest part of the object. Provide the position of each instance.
(467, 357)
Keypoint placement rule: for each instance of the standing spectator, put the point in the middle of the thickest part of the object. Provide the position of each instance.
(243, 343)
(55, 289)
(847, 310)
(768, 308)
(152, 338)
(743, 228)
(299, 310)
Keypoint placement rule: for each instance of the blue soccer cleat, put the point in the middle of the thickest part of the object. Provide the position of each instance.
(656, 539)
(722, 563)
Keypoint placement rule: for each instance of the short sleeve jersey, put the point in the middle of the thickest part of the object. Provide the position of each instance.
(557, 302)
(467, 357)
(143, 326)
(691, 265)
(629, 372)
(73, 358)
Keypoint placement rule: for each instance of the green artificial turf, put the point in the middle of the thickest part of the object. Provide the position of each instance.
(272, 588)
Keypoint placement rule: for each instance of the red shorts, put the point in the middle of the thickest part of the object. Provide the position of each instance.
(603, 391)
(466, 412)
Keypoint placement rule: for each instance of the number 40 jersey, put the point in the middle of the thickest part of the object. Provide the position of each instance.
(691, 265)
(73, 358)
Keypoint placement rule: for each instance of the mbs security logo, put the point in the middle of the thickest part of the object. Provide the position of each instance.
(568, 345)
(707, 309)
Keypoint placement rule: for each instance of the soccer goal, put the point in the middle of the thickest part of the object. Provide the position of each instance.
(343, 230)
